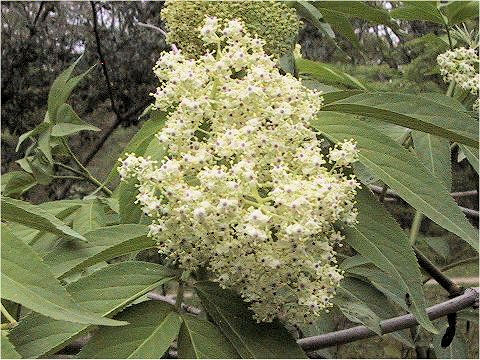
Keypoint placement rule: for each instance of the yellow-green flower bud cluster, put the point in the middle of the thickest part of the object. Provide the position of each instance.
(273, 21)
(461, 65)
(245, 190)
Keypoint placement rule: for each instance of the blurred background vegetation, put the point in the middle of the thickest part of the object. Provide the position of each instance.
(40, 39)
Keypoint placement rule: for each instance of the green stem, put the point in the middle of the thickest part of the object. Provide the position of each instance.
(450, 43)
(451, 87)
(179, 299)
(417, 221)
(68, 177)
(7, 315)
(257, 205)
(66, 167)
(86, 174)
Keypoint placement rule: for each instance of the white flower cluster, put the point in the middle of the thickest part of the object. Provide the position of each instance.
(461, 65)
(245, 190)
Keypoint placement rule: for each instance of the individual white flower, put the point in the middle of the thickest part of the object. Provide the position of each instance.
(233, 30)
(257, 217)
(208, 31)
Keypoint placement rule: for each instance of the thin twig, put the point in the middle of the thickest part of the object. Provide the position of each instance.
(156, 28)
(66, 167)
(443, 280)
(102, 61)
(172, 300)
(70, 177)
(38, 13)
(469, 212)
(457, 194)
(468, 299)
(454, 265)
(150, 26)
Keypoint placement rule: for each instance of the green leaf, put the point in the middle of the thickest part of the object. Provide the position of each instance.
(200, 339)
(327, 74)
(250, 339)
(126, 192)
(438, 244)
(105, 292)
(434, 152)
(310, 13)
(56, 94)
(140, 141)
(361, 302)
(397, 133)
(41, 167)
(35, 217)
(37, 130)
(459, 11)
(68, 122)
(385, 282)
(103, 244)
(378, 238)
(353, 261)
(333, 96)
(44, 145)
(62, 88)
(90, 216)
(317, 85)
(8, 350)
(42, 241)
(340, 23)
(471, 155)
(414, 112)
(15, 183)
(357, 9)
(355, 304)
(153, 325)
(401, 171)
(27, 281)
(419, 10)
(61, 208)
